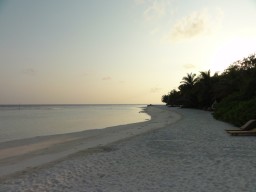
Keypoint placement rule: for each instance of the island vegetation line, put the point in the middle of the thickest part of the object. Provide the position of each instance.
(231, 95)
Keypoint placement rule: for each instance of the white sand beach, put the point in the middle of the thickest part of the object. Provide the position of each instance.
(177, 150)
(26, 153)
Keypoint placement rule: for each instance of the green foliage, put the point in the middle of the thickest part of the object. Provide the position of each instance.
(173, 99)
(236, 112)
(234, 90)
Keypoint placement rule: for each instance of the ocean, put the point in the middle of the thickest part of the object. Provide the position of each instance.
(26, 121)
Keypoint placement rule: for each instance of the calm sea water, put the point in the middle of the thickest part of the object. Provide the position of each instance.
(25, 121)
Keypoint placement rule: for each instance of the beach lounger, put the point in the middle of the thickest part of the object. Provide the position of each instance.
(243, 133)
(248, 128)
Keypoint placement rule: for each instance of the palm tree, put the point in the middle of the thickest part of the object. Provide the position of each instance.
(205, 91)
(205, 76)
(187, 90)
(189, 80)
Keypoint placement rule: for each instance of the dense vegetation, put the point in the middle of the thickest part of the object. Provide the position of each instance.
(231, 94)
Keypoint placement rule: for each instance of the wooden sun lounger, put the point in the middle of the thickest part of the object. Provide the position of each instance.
(247, 126)
(247, 129)
(242, 133)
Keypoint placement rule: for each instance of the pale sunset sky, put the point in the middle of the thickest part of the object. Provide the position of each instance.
(116, 51)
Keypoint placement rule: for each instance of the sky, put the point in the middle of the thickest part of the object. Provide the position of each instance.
(116, 51)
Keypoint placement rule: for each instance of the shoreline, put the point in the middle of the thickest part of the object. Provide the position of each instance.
(193, 154)
(48, 120)
(19, 155)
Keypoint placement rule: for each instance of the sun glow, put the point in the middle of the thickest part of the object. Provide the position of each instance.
(230, 51)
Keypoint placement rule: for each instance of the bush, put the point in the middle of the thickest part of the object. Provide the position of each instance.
(235, 111)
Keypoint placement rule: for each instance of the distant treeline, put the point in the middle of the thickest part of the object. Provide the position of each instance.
(232, 94)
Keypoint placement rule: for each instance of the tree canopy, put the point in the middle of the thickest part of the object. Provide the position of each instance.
(233, 92)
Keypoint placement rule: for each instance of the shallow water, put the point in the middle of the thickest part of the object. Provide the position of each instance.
(25, 121)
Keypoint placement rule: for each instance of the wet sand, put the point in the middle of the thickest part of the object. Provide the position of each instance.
(26, 153)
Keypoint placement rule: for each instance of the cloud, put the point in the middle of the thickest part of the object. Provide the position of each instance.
(29, 71)
(189, 66)
(196, 24)
(155, 90)
(193, 25)
(155, 10)
(107, 78)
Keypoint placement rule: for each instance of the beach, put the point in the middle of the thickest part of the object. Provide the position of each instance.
(177, 150)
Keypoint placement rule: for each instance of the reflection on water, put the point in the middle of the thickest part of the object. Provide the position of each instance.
(24, 121)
